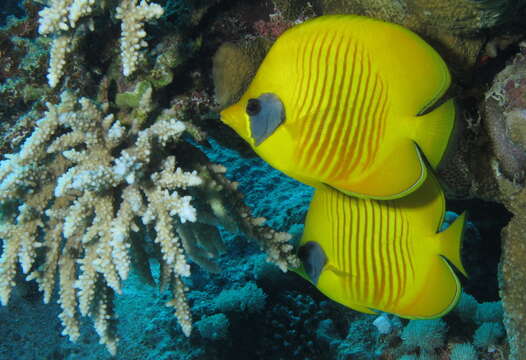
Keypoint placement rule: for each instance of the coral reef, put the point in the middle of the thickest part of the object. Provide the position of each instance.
(90, 186)
(513, 276)
(22, 76)
(286, 315)
(69, 177)
(234, 65)
(488, 159)
(110, 181)
(61, 19)
(74, 177)
(504, 121)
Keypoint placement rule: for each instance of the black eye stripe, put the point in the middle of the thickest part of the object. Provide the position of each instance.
(266, 113)
(313, 259)
(303, 252)
(253, 107)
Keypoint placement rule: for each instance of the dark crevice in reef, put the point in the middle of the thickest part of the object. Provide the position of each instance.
(481, 248)
(10, 7)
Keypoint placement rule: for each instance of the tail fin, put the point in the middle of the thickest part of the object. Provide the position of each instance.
(434, 131)
(441, 291)
(451, 242)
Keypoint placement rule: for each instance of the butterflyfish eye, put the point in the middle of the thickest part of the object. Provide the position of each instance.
(266, 113)
(253, 107)
(313, 259)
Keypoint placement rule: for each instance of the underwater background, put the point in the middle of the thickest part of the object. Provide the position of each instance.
(165, 78)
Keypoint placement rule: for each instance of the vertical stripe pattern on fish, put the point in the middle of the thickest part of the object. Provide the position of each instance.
(338, 101)
(384, 255)
(332, 149)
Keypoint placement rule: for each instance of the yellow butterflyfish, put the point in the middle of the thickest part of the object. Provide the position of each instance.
(372, 255)
(340, 100)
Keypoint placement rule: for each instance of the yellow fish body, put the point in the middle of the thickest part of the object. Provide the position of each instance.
(383, 255)
(337, 101)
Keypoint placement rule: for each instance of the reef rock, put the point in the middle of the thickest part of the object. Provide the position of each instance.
(505, 123)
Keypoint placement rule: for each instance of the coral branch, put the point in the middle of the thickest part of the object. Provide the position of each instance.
(72, 182)
(60, 19)
(89, 183)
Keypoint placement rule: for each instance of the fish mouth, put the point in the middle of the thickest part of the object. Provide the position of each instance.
(235, 117)
(226, 115)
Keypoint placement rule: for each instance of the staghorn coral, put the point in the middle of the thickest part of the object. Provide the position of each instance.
(68, 20)
(65, 184)
(133, 33)
(83, 185)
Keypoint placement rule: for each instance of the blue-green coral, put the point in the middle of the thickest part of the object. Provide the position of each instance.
(463, 352)
(214, 327)
(427, 335)
(249, 298)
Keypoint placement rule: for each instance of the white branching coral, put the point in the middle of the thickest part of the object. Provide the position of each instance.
(60, 48)
(133, 16)
(76, 182)
(85, 188)
(62, 17)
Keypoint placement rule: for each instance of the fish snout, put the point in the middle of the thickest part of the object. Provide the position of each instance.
(235, 117)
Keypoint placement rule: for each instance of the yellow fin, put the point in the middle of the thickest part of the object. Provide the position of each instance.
(426, 208)
(301, 272)
(451, 242)
(390, 180)
(433, 132)
(361, 308)
(331, 283)
(439, 294)
(427, 205)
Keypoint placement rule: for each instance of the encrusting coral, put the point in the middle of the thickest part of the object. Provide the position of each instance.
(73, 196)
(492, 158)
(505, 122)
